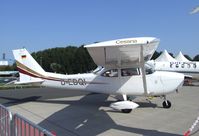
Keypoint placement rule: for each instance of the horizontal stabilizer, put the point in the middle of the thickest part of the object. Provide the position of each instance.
(26, 79)
(35, 82)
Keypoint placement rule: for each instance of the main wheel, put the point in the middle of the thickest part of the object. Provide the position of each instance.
(126, 110)
(166, 104)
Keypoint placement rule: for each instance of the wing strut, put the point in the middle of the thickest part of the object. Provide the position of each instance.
(143, 70)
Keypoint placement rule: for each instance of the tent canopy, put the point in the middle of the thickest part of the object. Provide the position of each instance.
(165, 57)
(181, 57)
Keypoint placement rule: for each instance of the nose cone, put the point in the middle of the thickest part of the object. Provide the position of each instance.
(172, 81)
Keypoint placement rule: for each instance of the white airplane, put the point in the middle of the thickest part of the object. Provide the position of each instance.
(178, 64)
(190, 68)
(121, 72)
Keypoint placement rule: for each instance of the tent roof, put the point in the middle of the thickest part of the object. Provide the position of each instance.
(165, 57)
(181, 57)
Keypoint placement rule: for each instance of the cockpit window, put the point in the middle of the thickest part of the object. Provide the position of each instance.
(130, 71)
(149, 69)
(111, 73)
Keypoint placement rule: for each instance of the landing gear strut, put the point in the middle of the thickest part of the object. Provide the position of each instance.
(166, 103)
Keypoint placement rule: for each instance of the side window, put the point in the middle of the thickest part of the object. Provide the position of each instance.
(111, 73)
(129, 72)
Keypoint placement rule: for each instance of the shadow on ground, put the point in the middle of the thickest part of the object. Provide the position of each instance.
(84, 118)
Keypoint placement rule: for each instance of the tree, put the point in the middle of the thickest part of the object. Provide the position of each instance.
(55, 67)
(83, 61)
(188, 57)
(68, 60)
(196, 58)
(171, 54)
(8, 68)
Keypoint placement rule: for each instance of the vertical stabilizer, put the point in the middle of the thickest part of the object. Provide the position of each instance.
(30, 71)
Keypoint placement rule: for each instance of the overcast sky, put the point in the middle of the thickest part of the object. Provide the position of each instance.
(41, 24)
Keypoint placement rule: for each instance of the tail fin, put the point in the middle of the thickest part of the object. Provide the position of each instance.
(30, 71)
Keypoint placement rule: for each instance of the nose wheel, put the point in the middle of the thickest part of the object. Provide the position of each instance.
(166, 103)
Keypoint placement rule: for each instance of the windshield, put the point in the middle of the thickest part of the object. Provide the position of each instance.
(110, 73)
(98, 69)
(149, 69)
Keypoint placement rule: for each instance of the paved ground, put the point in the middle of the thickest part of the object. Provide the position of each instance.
(76, 113)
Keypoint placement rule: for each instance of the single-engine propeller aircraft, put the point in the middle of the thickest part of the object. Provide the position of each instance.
(121, 71)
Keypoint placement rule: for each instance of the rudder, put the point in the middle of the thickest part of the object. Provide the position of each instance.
(29, 69)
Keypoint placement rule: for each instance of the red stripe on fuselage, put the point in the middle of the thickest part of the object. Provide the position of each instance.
(23, 71)
(32, 75)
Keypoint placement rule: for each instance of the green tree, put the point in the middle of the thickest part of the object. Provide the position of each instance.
(83, 62)
(196, 58)
(55, 67)
(171, 54)
(188, 57)
(70, 59)
(8, 68)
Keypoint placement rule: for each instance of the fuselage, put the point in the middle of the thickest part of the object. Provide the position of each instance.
(117, 81)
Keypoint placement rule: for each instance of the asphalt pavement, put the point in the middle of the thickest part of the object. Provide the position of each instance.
(75, 113)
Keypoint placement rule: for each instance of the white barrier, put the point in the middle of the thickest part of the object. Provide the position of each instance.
(16, 125)
(188, 133)
(5, 121)
(24, 127)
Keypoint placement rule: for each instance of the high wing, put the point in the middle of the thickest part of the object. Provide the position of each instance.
(123, 52)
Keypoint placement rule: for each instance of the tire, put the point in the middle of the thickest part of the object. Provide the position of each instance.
(166, 104)
(126, 110)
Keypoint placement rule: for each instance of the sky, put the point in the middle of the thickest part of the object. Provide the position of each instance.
(42, 24)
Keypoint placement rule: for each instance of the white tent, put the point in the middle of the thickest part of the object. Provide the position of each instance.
(181, 57)
(165, 57)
